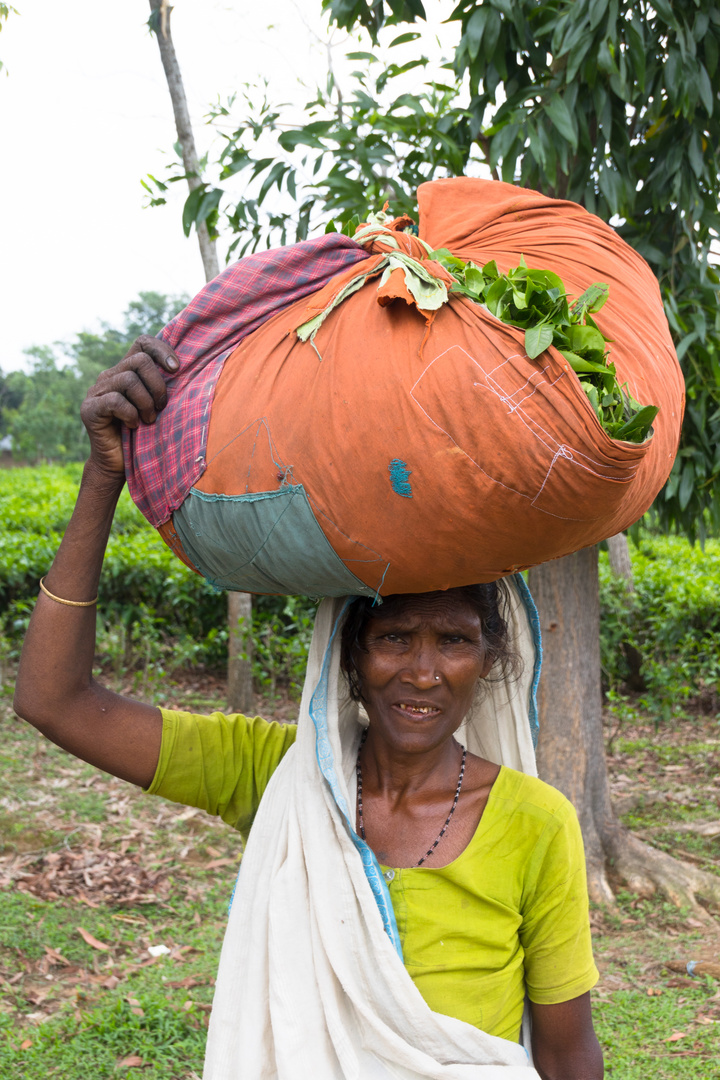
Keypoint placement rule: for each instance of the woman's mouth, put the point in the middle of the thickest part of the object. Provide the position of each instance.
(417, 712)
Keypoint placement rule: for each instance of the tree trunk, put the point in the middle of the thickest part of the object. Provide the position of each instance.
(183, 126)
(571, 750)
(240, 687)
(570, 698)
(620, 563)
(239, 604)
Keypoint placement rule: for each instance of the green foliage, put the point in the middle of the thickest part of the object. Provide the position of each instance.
(41, 410)
(155, 615)
(672, 620)
(355, 151)
(44, 422)
(5, 11)
(371, 14)
(282, 630)
(537, 301)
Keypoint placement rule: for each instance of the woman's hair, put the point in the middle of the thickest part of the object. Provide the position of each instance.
(487, 600)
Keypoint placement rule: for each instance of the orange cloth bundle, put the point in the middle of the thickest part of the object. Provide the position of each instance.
(405, 449)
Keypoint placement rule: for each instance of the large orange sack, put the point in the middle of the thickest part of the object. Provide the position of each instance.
(407, 450)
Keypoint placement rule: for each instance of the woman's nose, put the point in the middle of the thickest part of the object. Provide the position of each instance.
(421, 668)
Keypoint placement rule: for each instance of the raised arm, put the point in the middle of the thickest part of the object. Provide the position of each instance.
(55, 690)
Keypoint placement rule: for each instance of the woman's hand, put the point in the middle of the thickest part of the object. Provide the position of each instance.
(132, 391)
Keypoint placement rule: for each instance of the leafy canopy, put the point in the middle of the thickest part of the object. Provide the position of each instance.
(356, 150)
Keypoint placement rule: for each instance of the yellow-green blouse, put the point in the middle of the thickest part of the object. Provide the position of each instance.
(508, 917)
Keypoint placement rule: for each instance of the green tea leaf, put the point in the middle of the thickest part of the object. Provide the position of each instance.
(636, 429)
(474, 279)
(495, 294)
(593, 298)
(537, 340)
(580, 364)
(585, 338)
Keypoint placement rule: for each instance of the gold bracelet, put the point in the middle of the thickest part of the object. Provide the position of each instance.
(70, 603)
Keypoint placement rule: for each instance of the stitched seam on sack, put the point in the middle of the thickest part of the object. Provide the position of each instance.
(527, 421)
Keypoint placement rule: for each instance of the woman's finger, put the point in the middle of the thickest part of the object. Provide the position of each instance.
(98, 411)
(157, 350)
(134, 369)
(131, 386)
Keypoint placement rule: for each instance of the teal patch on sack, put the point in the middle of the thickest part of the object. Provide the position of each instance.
(268, 542)
(399, 478)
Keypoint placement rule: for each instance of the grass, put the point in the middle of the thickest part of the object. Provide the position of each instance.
(70, 1010)
(635, 1029)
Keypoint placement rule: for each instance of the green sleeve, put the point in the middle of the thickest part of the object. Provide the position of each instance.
(555, 931)
(219, 763)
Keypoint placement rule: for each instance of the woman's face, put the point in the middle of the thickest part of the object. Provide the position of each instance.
(419, 669)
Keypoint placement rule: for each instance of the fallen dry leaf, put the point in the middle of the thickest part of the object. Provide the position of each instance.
(92, 941)
(83, 899)
(188, 982)
(676, 1035)
(215, 864)
(132, 1062)
(26, 1044)
(92, 876)
(55, 957)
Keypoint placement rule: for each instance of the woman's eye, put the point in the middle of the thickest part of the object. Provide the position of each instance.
(392, 638)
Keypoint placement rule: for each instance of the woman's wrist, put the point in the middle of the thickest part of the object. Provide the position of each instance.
(101, 479)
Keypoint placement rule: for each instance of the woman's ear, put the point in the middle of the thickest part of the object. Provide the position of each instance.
(488, 661)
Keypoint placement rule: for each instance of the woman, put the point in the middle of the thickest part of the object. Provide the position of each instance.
(476, 892)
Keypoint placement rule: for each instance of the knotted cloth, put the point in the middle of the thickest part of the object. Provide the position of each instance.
(344, 423)
(311, 980)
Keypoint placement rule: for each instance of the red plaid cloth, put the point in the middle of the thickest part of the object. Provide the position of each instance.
(163, 460)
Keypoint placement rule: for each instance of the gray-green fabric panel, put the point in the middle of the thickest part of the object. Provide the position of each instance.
(268, 542)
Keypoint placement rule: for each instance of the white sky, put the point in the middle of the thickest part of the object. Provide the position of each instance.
(85, 114)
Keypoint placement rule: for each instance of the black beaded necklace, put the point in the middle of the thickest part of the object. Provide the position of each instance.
(361, 823)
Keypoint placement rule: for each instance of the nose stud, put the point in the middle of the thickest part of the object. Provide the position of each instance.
(437, 678)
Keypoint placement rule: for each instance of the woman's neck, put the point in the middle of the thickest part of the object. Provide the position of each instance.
(395, 774)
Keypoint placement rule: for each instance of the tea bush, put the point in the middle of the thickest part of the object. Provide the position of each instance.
(154, 613)
(672, 621)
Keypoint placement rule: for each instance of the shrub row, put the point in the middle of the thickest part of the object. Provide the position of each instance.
(153, 611)
(664, 638)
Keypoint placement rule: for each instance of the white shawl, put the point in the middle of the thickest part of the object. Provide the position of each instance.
(311, 981)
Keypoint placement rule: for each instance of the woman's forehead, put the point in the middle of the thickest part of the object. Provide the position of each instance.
(447, 608)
